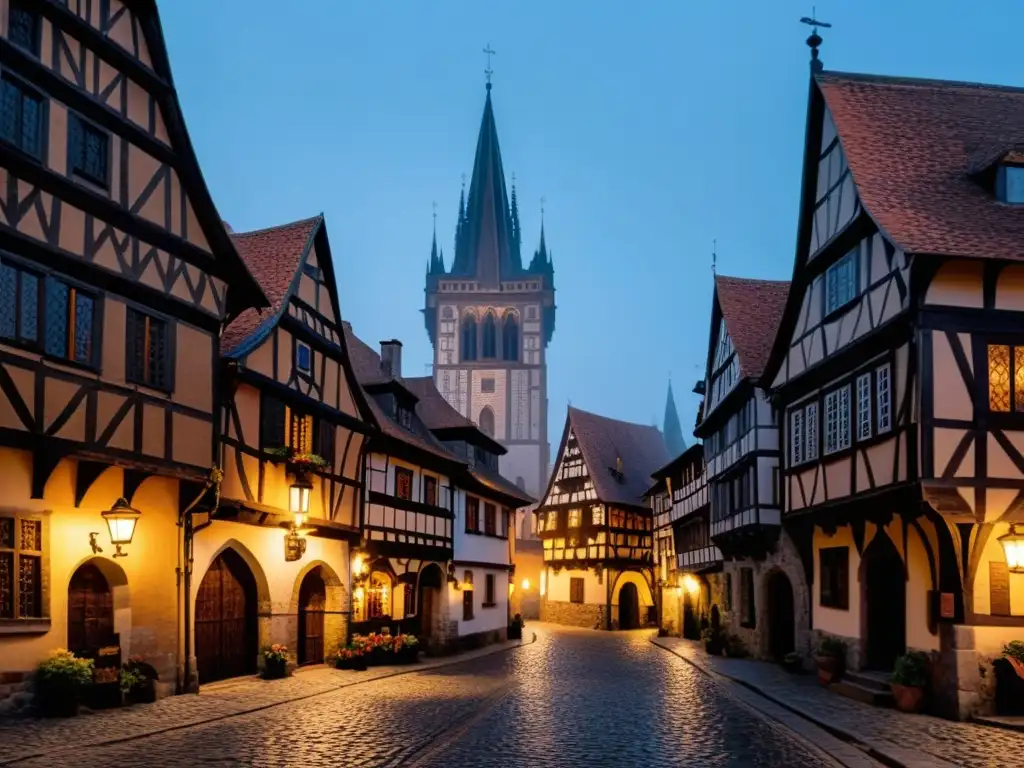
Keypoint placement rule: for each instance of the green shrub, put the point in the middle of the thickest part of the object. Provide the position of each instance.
(832, 646)
(63, 667)
(1014, 650)
(911, 669)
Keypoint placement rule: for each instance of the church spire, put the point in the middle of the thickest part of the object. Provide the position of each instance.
(486, 245)
(672, 430)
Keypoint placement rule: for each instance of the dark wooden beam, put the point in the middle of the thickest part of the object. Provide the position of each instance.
(87, 474)
(46, 455)
(133, 478)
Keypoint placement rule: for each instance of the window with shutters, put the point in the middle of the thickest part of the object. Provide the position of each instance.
(489, 601)
(403, 483)
(22, 113)
(24, 26)
(149, 351)
(490, 519)
(472, 514)
(575, 590)
(21, 568)
(88, 151)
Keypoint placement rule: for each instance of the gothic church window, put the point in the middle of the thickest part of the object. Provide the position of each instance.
(487, 421)
(469, 337)
(510, 338)
(490, 337)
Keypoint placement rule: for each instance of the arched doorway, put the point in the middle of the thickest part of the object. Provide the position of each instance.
(225, 623)
(312, 602)
(781, 616)
(429, 601)
(90, 610)
(884, 590)
(629, 606)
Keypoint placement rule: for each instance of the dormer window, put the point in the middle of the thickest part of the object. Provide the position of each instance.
(1010, 185)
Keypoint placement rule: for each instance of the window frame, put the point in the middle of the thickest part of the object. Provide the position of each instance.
(490, 519)
(472, 514)
(1014, 393)
(830, 277)
(467, 605)
(842, 416)
(490, 600)
(834, 578)
(169, 358)
(300, 347)
(577, 590)
(429, 482)
(879, 399)
(404, 473)
(16, 621)
(79, 173)
(864, 406)
(26, 89)
(748, 600)
(37, 27)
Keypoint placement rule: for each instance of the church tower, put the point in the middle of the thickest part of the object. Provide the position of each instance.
(490, 320)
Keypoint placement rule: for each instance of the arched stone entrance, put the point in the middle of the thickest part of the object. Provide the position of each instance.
(90, 610)
(226, 636)
(884, 603)
(430, 599)
(781, 616)
(312, 604)
(629, 606)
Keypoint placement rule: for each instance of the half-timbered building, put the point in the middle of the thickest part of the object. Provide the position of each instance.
(597, 527)
(741, 452)
(899, 372)
(116, 276)
(437, 523)
(271, 565)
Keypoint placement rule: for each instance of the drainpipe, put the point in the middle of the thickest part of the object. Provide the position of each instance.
(185, 520)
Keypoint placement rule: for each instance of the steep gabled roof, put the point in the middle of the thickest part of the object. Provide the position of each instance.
(274, 257)
(752, 310)
(914, 147)
(604, 441)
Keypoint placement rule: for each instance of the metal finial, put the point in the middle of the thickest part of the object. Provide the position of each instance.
(542, 201)
(463, 181)
(814, 40)
(490, 52)
(714, 257)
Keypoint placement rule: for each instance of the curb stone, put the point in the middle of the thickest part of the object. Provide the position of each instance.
(412, 669)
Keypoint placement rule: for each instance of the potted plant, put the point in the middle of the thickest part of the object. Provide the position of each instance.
(712, 640)
(793, 663)
(733, 646)
(60, 682)
(138, 681)
(909, 680)
(1009, 677)
(515, 627)
(831, 660)
(358, 660)
(406, 649)
(275, 662)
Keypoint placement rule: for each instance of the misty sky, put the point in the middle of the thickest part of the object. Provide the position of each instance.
(651, 127)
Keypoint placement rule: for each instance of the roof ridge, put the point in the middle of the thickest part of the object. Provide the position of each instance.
(609, 418)
(276, 227)
(752, 280)
(897, 80)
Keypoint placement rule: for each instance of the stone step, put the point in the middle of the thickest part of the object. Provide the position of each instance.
(869, 695)
(878, 681)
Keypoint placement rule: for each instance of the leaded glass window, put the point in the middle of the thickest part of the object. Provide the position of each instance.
(28, 308)
(837, 420)
(864, 406)
(811, 428)
(23, 27)
(796, 437)
(83, 328)
(21, 118)
(999, 377)
(8, 302)
(58, 296)
(148, 350)
(21, 561)
(841, 282)
(87, 150)
(883, 392)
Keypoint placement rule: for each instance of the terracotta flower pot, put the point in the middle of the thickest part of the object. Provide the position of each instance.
(909, 698)
(830, 669)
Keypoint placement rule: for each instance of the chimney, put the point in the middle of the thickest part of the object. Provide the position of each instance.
(391, 358)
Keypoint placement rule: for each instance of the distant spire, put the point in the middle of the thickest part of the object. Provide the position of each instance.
(814, 41)
(541, 260)
(516, 235)
(672, 429)
(436, 261)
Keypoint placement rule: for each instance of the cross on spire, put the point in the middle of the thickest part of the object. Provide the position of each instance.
(489, 52)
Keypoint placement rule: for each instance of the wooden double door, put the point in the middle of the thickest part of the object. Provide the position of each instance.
(226, 620)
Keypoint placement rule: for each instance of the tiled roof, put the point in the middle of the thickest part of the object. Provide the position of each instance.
(752, 310)
(436, 412)
(912, 147)
(365, 360)
(603, 440)
(272, 256)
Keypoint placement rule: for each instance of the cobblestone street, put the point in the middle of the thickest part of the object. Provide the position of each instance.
(573, 698)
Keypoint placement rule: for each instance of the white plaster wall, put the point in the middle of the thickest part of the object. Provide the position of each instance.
(478, 547)
(484, 619)
(993, 552)
(594, 591)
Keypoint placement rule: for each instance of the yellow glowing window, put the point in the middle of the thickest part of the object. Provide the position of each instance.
(300, 431)
(1018, 378)
(575, 516)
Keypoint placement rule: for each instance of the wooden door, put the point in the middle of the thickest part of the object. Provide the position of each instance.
(90, 610)
(885, 592)
(629, 606)
(312, 599)
(225, 620)
(781, 617)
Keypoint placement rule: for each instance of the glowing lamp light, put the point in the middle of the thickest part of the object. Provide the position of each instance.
(690, 584)
(298, 500)
(1013, 547)
(121, 519)
(359, 566)
(526, 584)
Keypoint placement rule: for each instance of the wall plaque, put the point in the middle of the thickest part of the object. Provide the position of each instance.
(947, 605)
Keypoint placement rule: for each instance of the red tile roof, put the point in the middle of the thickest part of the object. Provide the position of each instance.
(752, 310)
(913, 145)
(603, 440)
(436, 412)
(273, 257)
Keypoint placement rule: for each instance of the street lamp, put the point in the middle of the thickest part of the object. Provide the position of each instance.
(121, 519)
(298, 500)
(1013, 547)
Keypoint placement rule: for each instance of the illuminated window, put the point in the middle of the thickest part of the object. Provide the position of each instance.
(999, 377)
(552, 521)
(378, 599)
(597, 515)
(575, 518)
(403, 483)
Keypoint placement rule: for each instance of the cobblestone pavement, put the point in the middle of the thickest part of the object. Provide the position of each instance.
(911, 739)
(574, 698)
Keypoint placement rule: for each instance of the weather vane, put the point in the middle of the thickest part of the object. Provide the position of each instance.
(490, 52)
(814, 41)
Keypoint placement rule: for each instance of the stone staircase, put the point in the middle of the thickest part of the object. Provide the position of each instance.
(867, 686)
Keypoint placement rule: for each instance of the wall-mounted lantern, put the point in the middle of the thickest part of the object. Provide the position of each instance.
(121, 519)
(298, 500)
(1013, 547)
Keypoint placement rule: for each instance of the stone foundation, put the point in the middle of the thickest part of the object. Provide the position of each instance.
(968, 669)
(15, 692)
(572, 614)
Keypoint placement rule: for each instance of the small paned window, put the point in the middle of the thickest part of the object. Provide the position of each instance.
(489, 591)
(148, 350)
(87, 150)
(883, 398)
(552, 523)
(1005, 378)
(430, 490)
(864, 406)
(490, 519)
(841, 282)
(21, 568)
(472, 514)
(23, 26)
(467, 605)
(487, 384)
(837, 420)
(575, 590)
(811, 431)
(273, 416)
(21, 118)
(403, 483)
(575, 518)
(796, 437)
(834, 564)
(303, 358)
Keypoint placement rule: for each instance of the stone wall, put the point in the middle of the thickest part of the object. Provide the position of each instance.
(585, 615)
(671, 611)
(965, 674)
(15, 693)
